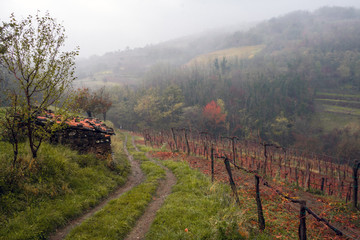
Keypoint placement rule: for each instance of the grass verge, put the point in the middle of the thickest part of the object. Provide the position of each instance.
(60, 185)
(200, 209)
(117, 218)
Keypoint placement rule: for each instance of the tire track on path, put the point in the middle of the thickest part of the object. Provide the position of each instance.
(143, 224)
(136, 177)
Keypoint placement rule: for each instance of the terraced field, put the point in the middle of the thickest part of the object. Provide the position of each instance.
(336, 110)
(230, 53)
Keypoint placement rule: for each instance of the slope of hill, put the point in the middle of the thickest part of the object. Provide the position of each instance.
(325, 30)
(337, 110)
(128, 66)
(271, 89)
(246, 52)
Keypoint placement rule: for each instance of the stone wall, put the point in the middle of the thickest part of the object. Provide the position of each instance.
(84, 140)
(81, 134)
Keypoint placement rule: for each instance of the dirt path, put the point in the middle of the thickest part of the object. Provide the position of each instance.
(134, 179)
(164, 189)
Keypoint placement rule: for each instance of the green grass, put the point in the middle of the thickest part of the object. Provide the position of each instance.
(246, 52)
(338, 95)
(336, 111)
(336, 101)
(196, 205)
(50, 191)
(329, 121)
(341, 110)
(98, 79)
(117, 218)
(207, 210)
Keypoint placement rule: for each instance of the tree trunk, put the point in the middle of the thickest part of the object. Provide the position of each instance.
(187, 143)
(174, 137)
(31, 139)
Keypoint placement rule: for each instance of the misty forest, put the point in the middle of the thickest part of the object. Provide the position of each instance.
(246, 132)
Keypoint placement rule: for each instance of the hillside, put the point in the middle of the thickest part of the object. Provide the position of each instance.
(247, 52)
(129, 66)
(276, 80)
(324, 30)
(194, 121)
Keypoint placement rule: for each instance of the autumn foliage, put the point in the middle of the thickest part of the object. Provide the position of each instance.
(213, 113)
(214, 117)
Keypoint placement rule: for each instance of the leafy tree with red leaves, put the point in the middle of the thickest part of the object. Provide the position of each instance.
(214, 117)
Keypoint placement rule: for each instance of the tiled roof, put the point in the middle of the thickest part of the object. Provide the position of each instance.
(81, 123)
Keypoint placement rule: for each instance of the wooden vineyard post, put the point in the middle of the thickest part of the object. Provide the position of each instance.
(231, 180)
(302, 226)
(349, 194)
(356, 183)
(296, 176)
(232, 146)
(322, 184)
(265, 162)
(307, 176)
(261, 219)
(266, 157)
(233, 149)
(212, 164)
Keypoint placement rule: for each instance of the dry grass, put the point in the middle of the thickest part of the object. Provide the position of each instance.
(247, 52)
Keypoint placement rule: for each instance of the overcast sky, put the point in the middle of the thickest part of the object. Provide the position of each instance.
(100, 26)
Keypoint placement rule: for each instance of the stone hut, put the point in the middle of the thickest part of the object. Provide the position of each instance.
(81, 134)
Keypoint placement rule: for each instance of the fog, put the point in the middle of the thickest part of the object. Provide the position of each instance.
(110, 25)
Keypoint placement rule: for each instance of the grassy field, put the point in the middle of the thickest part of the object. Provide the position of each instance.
(230, 53)
(341, 110)
(338, 95)
(329, 121)
(196, 209)
(40, 195)
(99, 79)
(339, 102)
(337, 110)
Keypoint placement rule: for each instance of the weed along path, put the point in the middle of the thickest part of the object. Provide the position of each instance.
(136, 177)
(143, 224)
